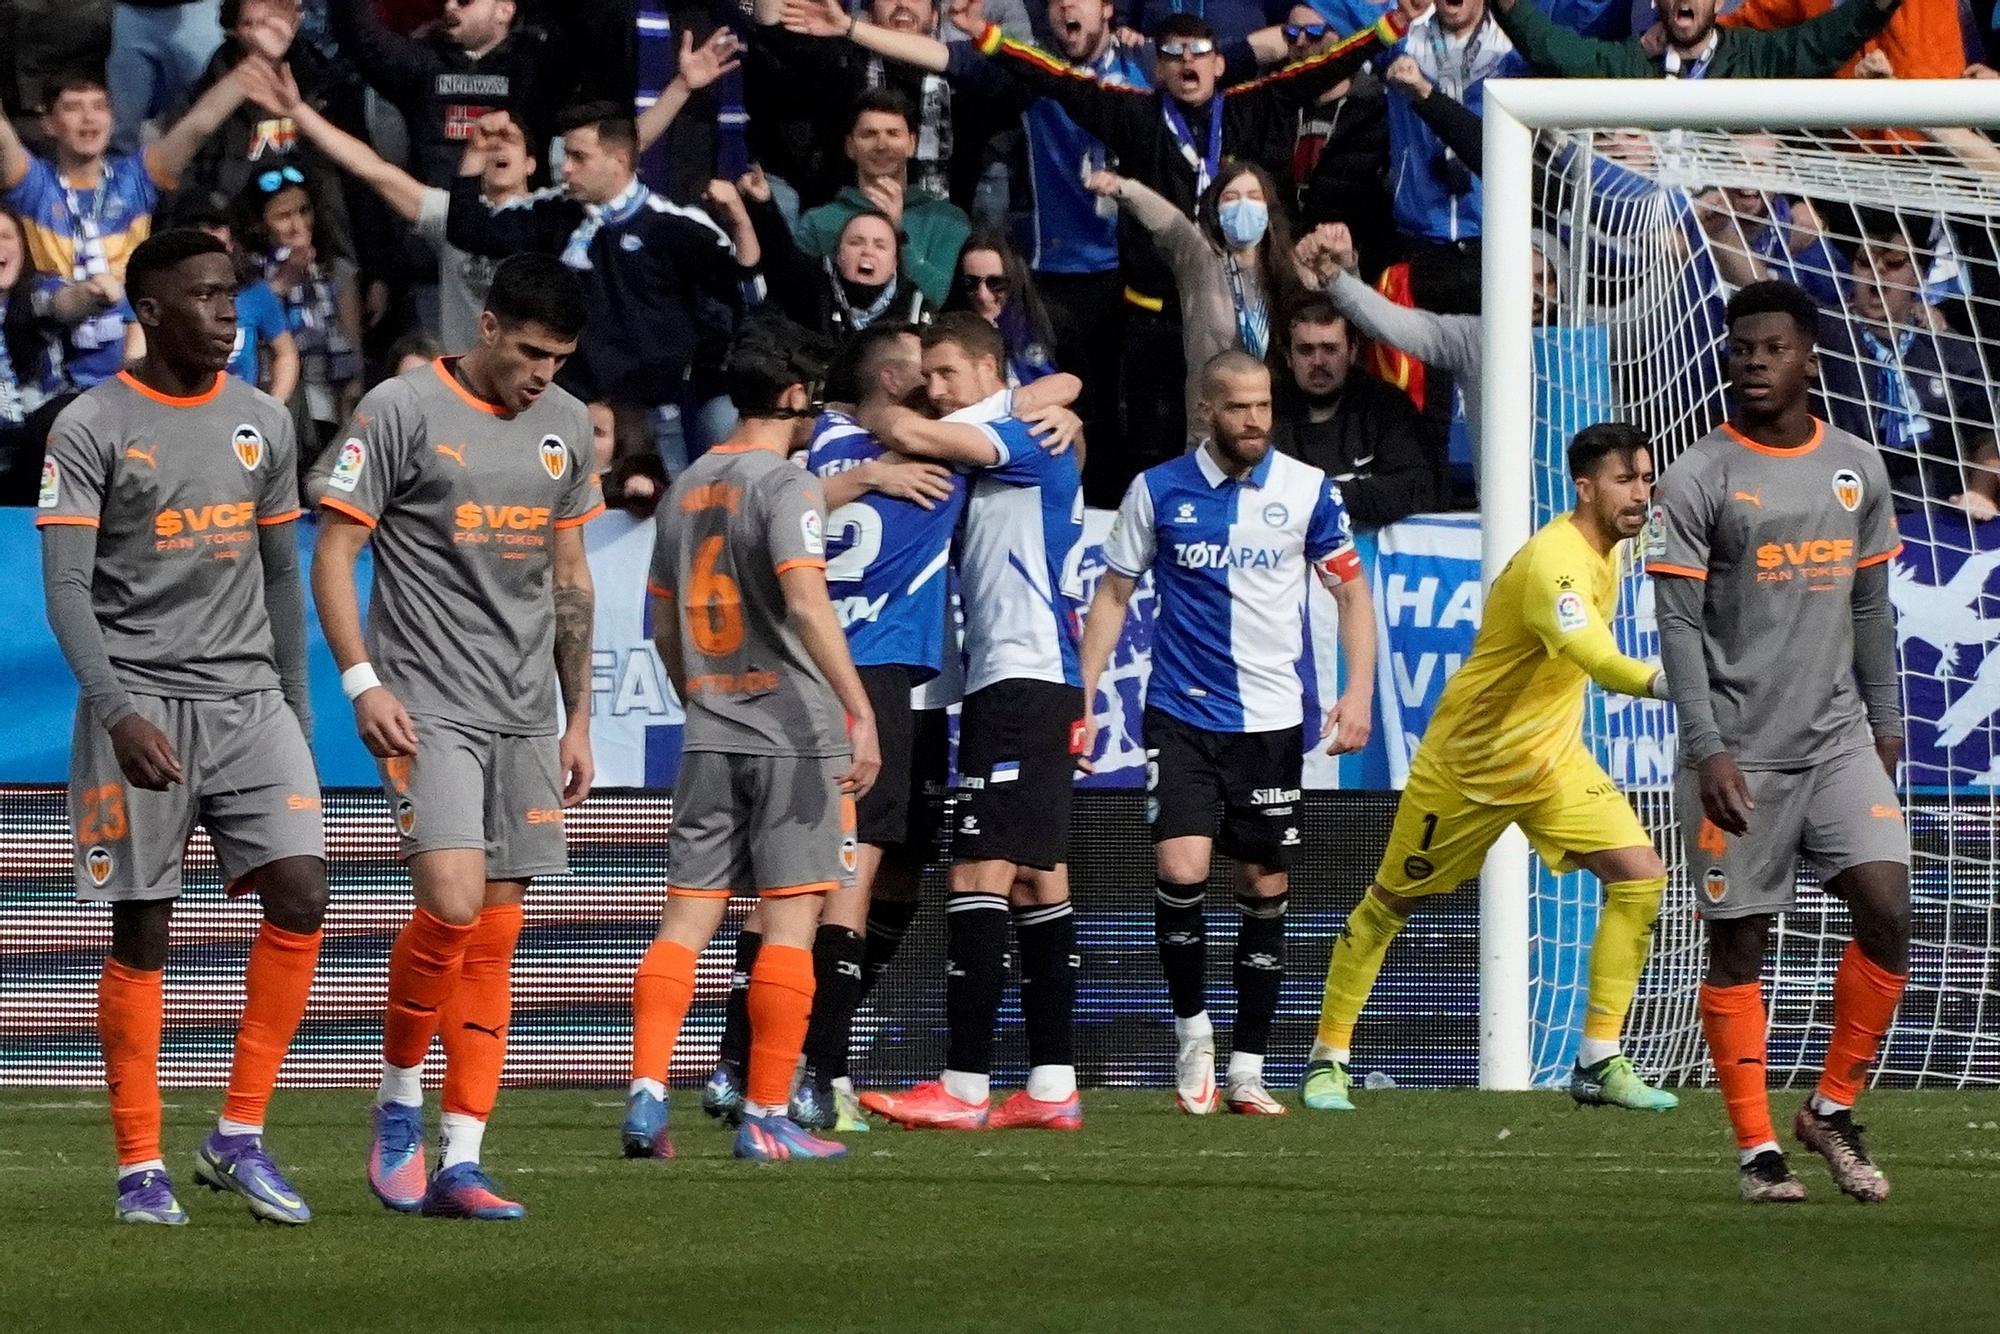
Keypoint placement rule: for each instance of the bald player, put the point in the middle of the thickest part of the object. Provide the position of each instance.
(472, 476)
(172, 581)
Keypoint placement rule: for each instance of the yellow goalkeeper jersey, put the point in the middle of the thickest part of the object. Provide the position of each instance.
(1514, 711)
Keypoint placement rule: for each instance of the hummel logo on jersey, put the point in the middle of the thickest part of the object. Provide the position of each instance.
(1185, 514)
(1216, 556)
(969, 825)
(1291, 838)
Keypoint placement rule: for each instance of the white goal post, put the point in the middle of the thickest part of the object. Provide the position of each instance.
(1516, 112)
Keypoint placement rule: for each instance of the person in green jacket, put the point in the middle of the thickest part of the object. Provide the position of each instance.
(880, 142)
(1694, 47)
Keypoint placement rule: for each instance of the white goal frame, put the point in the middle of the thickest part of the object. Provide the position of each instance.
(1514, 110)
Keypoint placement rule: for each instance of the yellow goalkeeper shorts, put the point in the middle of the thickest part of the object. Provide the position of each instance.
(1441, 835)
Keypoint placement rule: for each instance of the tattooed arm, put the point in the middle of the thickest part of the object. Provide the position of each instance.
(575, 605)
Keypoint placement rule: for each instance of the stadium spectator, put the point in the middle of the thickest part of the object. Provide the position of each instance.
(882, 138)
(1918, 392)
(1339, 167)
(1923, 39)
(473, 62)
(30, 366)
(1231, 20)
(993, 283)
(692, 122)
(1231, 265)
(86, 211)
(43, 40)
(158, 50)
(505, 166)
(1758, 235)
(1363, 433)
(1172, 141)
(254, 139)
(1694, 48)
(1451, 50)
(320, 291)
(860, 284)
(645, 263)
(412, 351)
(266, 355)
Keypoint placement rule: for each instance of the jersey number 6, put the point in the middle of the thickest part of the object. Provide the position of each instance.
(715, 604)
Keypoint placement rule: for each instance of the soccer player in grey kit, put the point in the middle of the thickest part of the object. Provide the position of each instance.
(171, 573)
(1769, 553)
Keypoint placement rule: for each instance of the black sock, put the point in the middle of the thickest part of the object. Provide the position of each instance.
(836, 990)
(975, 973)
(1260, 970)
(735, 1047)
(1183, 942)
(888, 922)
(1049, 965)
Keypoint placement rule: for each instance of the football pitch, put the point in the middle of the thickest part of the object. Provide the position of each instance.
(1424, 1211)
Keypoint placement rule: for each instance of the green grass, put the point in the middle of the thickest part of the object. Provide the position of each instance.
(1446, 1211)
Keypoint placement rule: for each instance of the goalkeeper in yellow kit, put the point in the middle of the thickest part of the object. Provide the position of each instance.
(1505, 746)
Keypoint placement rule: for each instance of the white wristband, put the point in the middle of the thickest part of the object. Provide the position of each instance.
(1659, 690)
(358, 679)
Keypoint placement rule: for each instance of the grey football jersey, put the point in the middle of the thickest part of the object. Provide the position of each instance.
(177, 488)
(464, 502)
(1776, 536)
(735, 520)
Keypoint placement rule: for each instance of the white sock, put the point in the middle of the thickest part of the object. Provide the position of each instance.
(968, 1087)
(1195, 1026)
(761, 1109)
(1745, 1155)
(1821, 1107)
(225, 1126)
(1051, 1083)
(1322, 1052)
(460, 1136)
(652, 1086)
(1245, 1065)
(1593, 1050)
(149, 1165)
(401, 1084)
(844, 1084)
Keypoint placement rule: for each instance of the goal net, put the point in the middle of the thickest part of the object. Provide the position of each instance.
(1644, 233)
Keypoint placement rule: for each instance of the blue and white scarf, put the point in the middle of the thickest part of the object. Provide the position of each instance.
(1899, 414)
(1253, 314)
(576, 252)
(107, 328)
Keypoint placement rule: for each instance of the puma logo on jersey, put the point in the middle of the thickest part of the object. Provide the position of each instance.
(1751, 497)
(149, 457)
(859, 610)
(456, 453)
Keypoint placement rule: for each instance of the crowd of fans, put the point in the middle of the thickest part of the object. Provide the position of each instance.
(1123, 187)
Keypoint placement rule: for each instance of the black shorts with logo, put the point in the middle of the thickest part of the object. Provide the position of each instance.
(1017, 748)
(1253, 776)
(906, 806)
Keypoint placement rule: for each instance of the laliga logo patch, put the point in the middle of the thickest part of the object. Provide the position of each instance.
(248, 443)
(812, 533)
(1847, 489)
(1715, 884)
(1570, 613)
(347, 465)
(406, 817)
(555, 457)
(98, 862)
(51, 485)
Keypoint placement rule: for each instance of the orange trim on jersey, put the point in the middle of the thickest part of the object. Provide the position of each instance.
(76, 520)
(1686, 572)
(803, 562)
(793, 891)
(1878, 558)
(206, 396)
(658, 591)
(581, 519)
(1775, 451)
(683, 892)
(342, 507)
(271, 519)
(739, 448)
(471, 399)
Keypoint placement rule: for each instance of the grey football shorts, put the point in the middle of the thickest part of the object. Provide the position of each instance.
(760, 824)
(467, 787)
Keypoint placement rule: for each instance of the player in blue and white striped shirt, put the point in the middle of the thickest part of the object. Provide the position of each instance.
(1230, 531)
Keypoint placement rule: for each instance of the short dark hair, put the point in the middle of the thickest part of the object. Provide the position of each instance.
(75, 79)
(1313, 309)
(1888, 226)
(540, 288)
(769, 356)
(199, 213)
(968, 332)
(163, 252)
(1593, 444)
(848, 378)
(1183, 25)
(1775, 297)
(613, 123)
(879, 215)
(415, 343)
(887, 101)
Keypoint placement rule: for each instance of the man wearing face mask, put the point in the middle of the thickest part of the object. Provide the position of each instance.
(1695, 48)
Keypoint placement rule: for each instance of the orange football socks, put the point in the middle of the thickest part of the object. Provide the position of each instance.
(1733, 1020)
(474, 1018)
(423, 971)
(1865, 996)
(131, 1009)
(661, 994)
(276, 986)
(781, 995)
